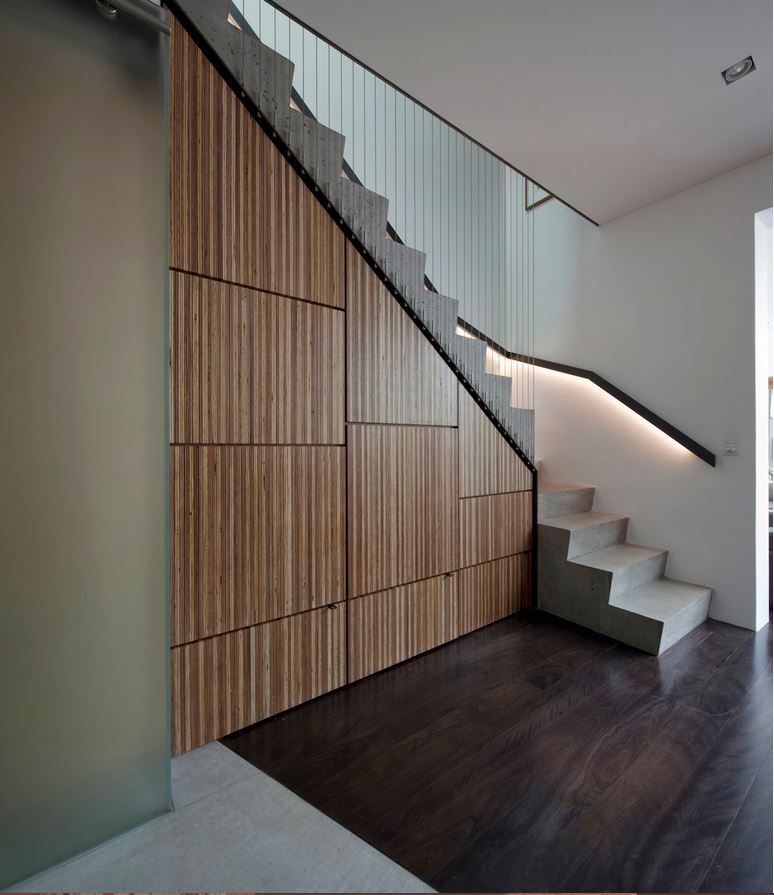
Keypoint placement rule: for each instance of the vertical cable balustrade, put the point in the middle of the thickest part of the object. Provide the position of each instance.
(443, 195)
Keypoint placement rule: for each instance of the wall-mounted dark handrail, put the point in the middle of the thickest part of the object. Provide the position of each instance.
(640, 409)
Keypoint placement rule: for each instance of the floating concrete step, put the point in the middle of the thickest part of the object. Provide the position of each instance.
(469, 354)
(496, 390)
(320, 150)
(404, 266)
(439, 314)
(210, 19)
(268, 80)
(364, 210)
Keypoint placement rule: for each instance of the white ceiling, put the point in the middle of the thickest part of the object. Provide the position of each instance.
(611, 104)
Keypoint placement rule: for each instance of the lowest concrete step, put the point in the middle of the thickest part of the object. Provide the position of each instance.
(671, 608)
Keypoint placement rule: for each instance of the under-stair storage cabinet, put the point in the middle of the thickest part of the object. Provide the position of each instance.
(338, 503)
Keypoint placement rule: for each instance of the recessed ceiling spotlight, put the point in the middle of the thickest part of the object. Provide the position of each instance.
(739, 70)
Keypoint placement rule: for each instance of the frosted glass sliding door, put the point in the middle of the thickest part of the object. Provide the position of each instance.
(84, 745)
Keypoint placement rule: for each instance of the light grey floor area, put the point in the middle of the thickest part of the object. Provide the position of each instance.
(234, 829)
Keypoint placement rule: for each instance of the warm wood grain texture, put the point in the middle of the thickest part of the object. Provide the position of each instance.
(493, 590)
(402, 505)
(394, 374)
(488, 465)
(249, 367)
(393, 625)
(227, 682)
(258, 533)
(494, 526)
(431, 613)
(536, 756)
(238, 211)
(271, 492)
(377, 632)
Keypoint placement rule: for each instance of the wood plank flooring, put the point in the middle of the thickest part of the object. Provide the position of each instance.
(532, 755)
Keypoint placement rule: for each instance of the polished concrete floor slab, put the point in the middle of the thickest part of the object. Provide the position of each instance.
(233, 829)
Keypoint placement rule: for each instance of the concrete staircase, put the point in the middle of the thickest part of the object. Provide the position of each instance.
(590, 574)
(266, 77)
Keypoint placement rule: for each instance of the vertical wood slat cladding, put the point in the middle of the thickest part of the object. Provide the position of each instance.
(394, 373)
(393, 625)
(258, 533)
(260, 526)
(493, 590)
(432, 614)
(248, 367)
(238, 211)
(402, 505)
(377, 632)
(230, 681)
(488, 465)
(494, 526)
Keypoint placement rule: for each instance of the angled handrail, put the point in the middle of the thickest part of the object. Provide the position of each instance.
(632, 403)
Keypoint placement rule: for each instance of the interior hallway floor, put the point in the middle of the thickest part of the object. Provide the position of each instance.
(233, 830)
(533, 755)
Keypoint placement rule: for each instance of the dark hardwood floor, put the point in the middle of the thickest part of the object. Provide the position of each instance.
(535, 756)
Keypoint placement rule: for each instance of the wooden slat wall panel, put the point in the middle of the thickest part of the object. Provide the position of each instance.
(394, 373)
(488, 465)
(251, 367)
(494, 526)
(228, 682)
(259, 521)
(493, 590)
(376, 632)
(387, 627)
(238, 211)
(258, 533)
(431, 613)
(402, 505)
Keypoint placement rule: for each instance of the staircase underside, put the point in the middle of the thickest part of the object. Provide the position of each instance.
(589, 574)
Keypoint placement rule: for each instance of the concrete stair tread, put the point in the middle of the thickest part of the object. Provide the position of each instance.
(662, 599)
(550, 487)
(557, 499)
(617, 557)
(575, 521)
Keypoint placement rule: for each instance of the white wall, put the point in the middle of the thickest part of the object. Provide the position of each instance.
(662, 303)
